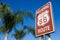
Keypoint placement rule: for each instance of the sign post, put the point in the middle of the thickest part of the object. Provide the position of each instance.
(39, 38)
(49, 38)
(44, 37)
(44, 20)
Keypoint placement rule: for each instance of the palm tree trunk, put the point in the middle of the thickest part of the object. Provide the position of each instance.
(6, 36)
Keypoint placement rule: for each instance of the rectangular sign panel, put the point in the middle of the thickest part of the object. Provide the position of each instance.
(44, 20)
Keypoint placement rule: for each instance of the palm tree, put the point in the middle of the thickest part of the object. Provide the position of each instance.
(25, 27)
(10, 19)
(19, 34)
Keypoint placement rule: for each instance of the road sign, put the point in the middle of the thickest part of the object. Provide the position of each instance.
(44, 20)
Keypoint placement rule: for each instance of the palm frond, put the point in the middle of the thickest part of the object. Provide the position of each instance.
(19, 34)
(19, 16)
(8, 21)
(30, 14)
(2, 29)
(4, 9)
(30, 29)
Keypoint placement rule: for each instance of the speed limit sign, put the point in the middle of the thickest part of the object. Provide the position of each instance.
(44, 20)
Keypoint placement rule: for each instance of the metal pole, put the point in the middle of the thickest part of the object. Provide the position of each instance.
(49, 38)
(39, 38)
(44, 37)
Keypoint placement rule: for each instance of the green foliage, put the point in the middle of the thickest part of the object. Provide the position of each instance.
(19, 34)
(4, 9)
(30, 29)
(2, 29)
(12, 18)
(21, 14)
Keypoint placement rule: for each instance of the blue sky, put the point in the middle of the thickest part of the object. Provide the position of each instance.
(33, 5)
